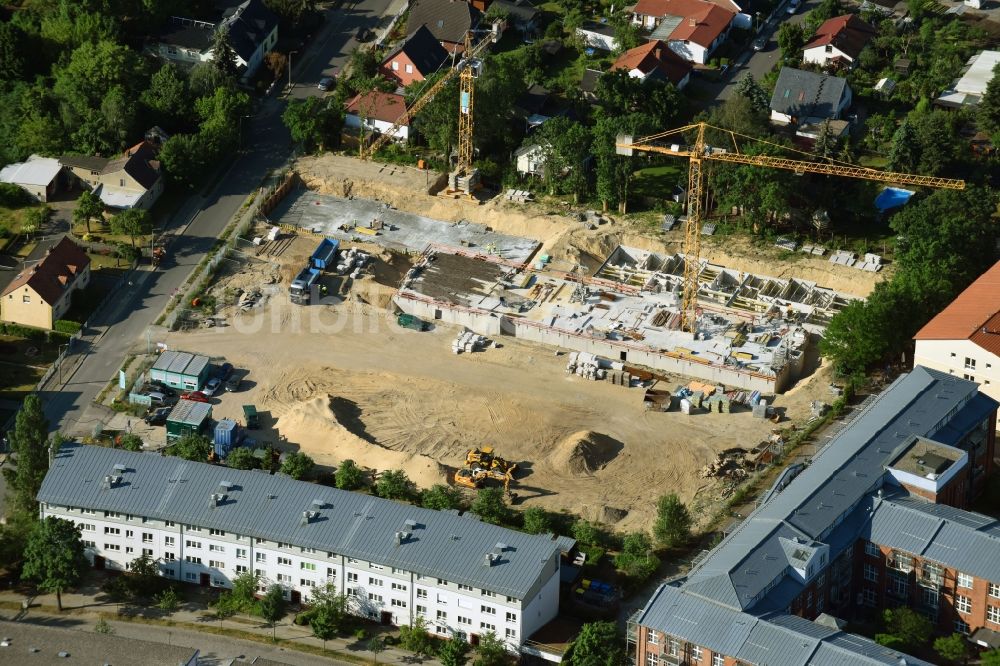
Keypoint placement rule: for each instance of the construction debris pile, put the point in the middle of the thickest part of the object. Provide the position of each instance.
(730, 464)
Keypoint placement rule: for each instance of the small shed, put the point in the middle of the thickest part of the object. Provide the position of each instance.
(187, 417)
(181, 370)
(226, 437)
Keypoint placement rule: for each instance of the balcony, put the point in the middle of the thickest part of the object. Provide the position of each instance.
(931, 579)
(900, 565)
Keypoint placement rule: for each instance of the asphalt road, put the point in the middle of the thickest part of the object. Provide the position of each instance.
(267, 146)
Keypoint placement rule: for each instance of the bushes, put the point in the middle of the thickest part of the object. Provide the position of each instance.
(66, 326)
(13, 196)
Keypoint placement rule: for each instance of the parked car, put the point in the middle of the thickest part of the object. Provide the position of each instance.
(212, 386)
(160, 387)
(233, 383)
(364, 34)
(793, 7)
(157, 416)
(224, 371)
(195, 396)
(760, 44)
(326, 83)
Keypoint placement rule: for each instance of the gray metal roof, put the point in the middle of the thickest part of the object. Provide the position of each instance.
(842, 474)
(966, 541)
(181, 363)
(808, 95)
(189, 412)
(771, 640)
(443, 545)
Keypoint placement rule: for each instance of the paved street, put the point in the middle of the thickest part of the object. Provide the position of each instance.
(196, 226)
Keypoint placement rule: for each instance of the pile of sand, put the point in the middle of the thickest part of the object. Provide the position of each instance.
(583, 453)
(313, 425)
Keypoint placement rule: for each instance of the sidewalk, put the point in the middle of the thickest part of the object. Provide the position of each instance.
(87, 606)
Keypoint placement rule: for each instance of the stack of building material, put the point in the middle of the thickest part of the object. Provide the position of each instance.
(785, 243)
(871, 263)
(586, 365)
(353, 261)
(843, 258)
(813, 249)
(657, 401)
(468, 342)
(760, 410)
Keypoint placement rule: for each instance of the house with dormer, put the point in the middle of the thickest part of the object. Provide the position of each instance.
(838, 40)
(804, 98)
(693, 29)
(41, 294)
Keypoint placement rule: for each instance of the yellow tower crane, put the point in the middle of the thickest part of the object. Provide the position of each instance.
(467, 70)
(672, 142)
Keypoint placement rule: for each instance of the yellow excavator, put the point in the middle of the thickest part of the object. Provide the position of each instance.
(482, 464)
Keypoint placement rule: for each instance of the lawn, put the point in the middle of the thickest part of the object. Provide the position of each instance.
(22, 363)
(10, 224)
(657, 181)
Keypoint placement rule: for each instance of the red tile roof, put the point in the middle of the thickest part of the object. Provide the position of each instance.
(974, 315)
(702, 21)
(57, 269)
(847, 33)
(654, 55)
(387, 107)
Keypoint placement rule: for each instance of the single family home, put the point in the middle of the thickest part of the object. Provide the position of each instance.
(521, 15)
(39, 295)
(694, 29)
(529, 160)
(415, 59)
(802, 98)
(38, 175)
(133, 180)
(654, 60)
(597, 36)
(252, 29)
(377, 111)
(448, 20)
(838, 40)
(969, 88)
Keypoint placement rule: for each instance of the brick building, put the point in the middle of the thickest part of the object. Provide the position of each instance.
(874, 522)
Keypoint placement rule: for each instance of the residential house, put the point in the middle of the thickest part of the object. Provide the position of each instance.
(654, 60)
(253, 33)
(529, 160)
(532, 105)
(448, 20)
(597, 36)
(134, 180)
(378, 112)
(204, 524)
(964, 338)
(415, 59)
(521, 15)
(41, 294)
(39, 176)
(839, 40)
(875, 521)
(968, 89)
(692, 28)
(802, 97)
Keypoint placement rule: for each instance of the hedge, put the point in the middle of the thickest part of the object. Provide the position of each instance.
(66, 326)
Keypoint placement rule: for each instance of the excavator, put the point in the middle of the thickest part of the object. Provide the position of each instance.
(482, 464)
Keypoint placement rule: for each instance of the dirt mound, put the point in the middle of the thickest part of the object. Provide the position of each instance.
(584, 452)
(314, 426)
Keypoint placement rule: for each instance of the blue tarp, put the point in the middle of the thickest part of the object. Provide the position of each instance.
(892, 197)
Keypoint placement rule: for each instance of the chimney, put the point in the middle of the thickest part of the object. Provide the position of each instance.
(213, 501)
(692, 22)
(399, 538)
(657, 52)
(488, 560)
(305, 518)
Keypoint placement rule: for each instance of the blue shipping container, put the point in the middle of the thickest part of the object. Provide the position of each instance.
(325, 255)
(225, 437)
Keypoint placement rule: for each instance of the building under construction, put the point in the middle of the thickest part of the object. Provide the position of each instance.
(752, 331)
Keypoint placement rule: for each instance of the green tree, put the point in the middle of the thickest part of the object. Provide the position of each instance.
(857, 336)
(905, 627)
(30, 446)
(614, 171)
(349, 476)
(748, 88)
(454, 651)
(184, 158)
(168, 601)
(143, 577)
(536, 520)
(395, 484)
(204, 79)
(952, 648)
(597, 644)
(990, 657)
(298, 465)
(131, 222)
(636, 559)
(12, 43)
(587, 533)
(626, 35)
(491, 507)
(314, 123)
(272, 607)
(88, 207)
(565, 145)
(167, 96)
(53, 557)
(193, 446)
(441, 497)
(131, 442)
(989, 106)
(491, 651)
(376, 645)
(323, 625)
(223, 54)
(242, 458)
(672, 527)
(415, 638)
(437, 122)
(292, 11)
(791, 39)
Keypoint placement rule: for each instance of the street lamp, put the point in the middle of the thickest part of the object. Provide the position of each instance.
(290, 54)
(757, 20)
(62, 359)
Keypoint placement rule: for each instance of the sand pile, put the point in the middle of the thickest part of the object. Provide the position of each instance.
(313, 425)
(584, 452)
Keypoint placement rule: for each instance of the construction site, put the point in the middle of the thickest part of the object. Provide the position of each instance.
(341, 378)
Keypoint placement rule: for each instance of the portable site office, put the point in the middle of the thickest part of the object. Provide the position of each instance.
(181, 370)
(187, 417)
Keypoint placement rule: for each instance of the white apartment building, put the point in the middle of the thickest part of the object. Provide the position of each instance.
(206, 524)
(964, 338)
